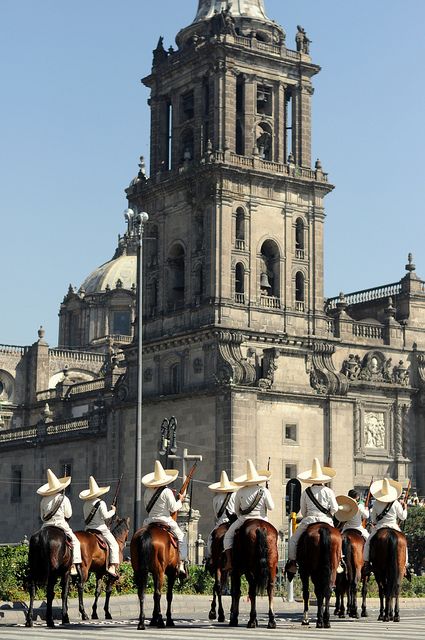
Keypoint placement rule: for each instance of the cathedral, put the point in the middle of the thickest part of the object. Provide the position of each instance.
(239, 343)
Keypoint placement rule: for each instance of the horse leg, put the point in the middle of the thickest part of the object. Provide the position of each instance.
(108, 591)
(157, 619)
(270, 593)
(170, 585)
(221, 616)
(353, 612)
(29, 617)
(306, 596)
(50, 592)
(141, 580)
(337, 601)
(326, 615)
(65, 589)
(252, 592)
(364, 596)
(236, 594)
(381, 602)
(213, 611)
(80, 589)
(397, 608)
(97, 592)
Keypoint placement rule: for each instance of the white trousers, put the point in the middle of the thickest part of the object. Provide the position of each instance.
(114, 557)
(365, 533)
(230, 533)
(366, 550)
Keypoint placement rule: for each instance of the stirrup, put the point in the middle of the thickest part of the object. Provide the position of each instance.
(341, 567)
(73, 570)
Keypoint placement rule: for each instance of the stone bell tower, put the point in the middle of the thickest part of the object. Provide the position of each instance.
(233, 251)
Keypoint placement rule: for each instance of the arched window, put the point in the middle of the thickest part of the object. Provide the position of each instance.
(240, 283)
(175, 378)
(264, 141)
(187, 146)
(240, 228)
(269, 268)
(299, 238)
(299, 291)
(176, 281)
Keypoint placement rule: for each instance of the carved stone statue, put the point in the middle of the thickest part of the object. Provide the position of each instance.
(302, 41)
(352, 367)
(374, 430)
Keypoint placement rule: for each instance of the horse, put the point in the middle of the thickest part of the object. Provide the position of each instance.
(319, 553)
(49, 558)
(388, 553)
(154, 550)
(347, 582)
(255, 555)
(215, 567)
(94, 560)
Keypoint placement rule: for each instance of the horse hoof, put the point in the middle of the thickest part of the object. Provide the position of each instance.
(141, 626)
(305, 623)
(327, 625)
(341, 614)
(212, 615)
(160, 624)
(336, 612)
(84, 616)
(170, 623)
(50, 624)
(251, 624)
(365, 614)
(233, 623)
(65, 620)
(319, 625)
(108, 616)
(380, 617)
(272, 624)
(396, 618)
(221, 619)
(29, 623)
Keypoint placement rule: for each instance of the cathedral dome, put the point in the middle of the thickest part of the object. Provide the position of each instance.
(121, 270)
(239, 9)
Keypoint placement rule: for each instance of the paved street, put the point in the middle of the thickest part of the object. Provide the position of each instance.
(412, 626)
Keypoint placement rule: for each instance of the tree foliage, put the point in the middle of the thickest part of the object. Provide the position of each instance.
(415, 533)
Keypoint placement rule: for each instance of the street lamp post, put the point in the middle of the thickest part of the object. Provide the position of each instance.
(136, 222)
(168, 438)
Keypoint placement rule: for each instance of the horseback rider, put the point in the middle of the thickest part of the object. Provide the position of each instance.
(385, 512)
(251, 501)
(354, 515)
(223, 505)
(160, 503)
(318, 504)
(56, 510)
(95, 515)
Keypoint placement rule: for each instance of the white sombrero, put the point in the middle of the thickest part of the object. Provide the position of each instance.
(94, 490)
(347, 508)
(252, 476)
(317, 473)
(160, 477)
(225, 485)
(386, 490)
(54, 484)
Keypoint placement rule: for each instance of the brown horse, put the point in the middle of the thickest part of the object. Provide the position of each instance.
(154, 550)
(347, 582)
(319, 553)
(94, 558)
(255, 555)
(49, 558)
(388, 552)
(215, 567)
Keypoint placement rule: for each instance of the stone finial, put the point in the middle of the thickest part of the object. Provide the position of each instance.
(118, 283)
(46, 413)
(318, 165)
(291, 159)
(65, 371)
(142, 168)
(41, 333)
(410, 266)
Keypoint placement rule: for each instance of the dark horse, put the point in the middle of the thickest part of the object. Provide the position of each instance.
(215, 567)
(255, 555)
(154, 550)
(49, 558)
(94, 560)
(388, 552)
(347, 582)
(318, 555)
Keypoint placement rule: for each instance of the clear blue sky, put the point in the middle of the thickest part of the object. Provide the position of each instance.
(74, 121)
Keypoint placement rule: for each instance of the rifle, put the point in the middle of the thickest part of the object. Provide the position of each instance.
(115, 499)
(409, 486)
(366, 504)
(185, 486)
(268, 469)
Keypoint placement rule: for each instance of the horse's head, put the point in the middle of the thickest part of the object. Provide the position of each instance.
(120, 529)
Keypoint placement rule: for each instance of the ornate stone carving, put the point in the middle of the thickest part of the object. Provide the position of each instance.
(148, 375)
(398, 430)
(356, 428)
(302, 41)
(231, 366)
(406, 431)
(401, 374)
(352, 367)
(198, 365)
(374, 430)
(323, 376)
(270, 358)
(375, 367)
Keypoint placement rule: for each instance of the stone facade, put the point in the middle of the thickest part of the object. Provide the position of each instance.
(239, 343)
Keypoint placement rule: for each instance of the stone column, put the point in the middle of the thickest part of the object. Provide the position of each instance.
(250, 112)
(302, 125)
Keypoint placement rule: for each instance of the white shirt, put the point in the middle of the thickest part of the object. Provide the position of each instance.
(48, 503)
(395, 513)
(246, 495)
(218, 500)
(102, 514)
(165, 505)
(356, 521)
(326, 497)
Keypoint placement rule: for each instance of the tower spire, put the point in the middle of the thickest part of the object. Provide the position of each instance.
(238, 8)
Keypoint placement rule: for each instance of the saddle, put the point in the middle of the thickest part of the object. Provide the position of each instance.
(68, 539)
(100, 539)
(165, 527)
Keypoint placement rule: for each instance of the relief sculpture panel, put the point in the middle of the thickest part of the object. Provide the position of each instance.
(374, 430)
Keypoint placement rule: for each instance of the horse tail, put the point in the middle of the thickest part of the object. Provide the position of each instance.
(347, 551)
(262, 553)
(393, 571)
(145, 550)
(325, 571)
(39, 558)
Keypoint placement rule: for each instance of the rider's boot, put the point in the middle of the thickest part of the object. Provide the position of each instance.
(342, 566)
(112, 571)
(408, 573)
(73, 570)
(290, 569)
(228, 565)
